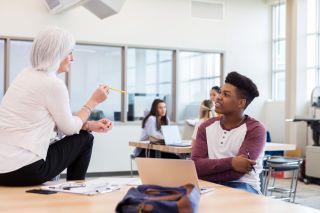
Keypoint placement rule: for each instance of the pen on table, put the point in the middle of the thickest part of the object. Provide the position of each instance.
(71, 187)
(118, 90)
(248, 155)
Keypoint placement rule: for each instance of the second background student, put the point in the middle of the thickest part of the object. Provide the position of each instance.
(205, 112)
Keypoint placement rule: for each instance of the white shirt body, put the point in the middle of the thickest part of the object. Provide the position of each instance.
(226, 143)
(34, 103)
(150, 129)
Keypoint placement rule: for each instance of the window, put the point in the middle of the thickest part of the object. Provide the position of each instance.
(94, 65)
(198, 72)
(149, 76)
(19, 57)
(278, 51)
(313, 33)
(1, 68)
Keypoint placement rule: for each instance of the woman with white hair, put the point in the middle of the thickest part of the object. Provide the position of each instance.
(36, 102)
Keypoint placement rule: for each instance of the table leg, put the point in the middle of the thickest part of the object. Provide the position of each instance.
(157, 154)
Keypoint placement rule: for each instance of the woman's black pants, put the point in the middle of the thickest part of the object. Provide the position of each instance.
(72, 152)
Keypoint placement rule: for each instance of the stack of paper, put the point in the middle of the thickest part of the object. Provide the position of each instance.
(91, 187)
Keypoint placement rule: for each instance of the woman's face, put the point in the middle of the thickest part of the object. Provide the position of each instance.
(161, 109)
(65, 64)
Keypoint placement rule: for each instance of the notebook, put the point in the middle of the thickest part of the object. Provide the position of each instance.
(172, 137)
(168, 172)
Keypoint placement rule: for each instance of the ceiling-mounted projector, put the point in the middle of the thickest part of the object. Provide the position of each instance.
(101, 8)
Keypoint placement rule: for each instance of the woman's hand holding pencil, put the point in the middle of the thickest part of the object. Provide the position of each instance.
(100, 94)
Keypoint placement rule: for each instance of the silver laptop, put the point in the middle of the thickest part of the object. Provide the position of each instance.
(168, 172)
(172, 137)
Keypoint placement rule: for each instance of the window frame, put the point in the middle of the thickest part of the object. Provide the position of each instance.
(316, 34)
(276, 39)
(124, 61)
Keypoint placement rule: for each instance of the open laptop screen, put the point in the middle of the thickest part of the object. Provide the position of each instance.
(171, 136)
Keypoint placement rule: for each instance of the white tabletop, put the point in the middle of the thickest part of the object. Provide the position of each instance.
(279, 147)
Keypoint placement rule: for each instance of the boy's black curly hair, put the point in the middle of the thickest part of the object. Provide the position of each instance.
(246, 88)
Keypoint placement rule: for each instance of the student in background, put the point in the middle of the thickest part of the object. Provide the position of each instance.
(151, 128)
(205, 113)
(37, 101)
(214, 92)
(229, 148)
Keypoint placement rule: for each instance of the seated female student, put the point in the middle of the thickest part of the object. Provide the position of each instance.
(36, 102)
(205, 113)
(151, 128)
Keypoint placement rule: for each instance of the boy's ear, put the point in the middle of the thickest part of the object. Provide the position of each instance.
(242, 103)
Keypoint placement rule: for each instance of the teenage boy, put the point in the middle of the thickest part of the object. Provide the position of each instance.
(229, 149)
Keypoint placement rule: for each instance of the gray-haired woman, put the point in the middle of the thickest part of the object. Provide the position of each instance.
(36, 102)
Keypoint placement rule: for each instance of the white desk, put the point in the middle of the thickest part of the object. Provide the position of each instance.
(187, 150)
(279, 147)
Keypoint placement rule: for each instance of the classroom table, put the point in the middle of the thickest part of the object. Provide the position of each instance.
(187, 150)
(221, 199)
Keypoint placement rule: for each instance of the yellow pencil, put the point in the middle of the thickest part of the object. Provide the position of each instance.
(118, 90)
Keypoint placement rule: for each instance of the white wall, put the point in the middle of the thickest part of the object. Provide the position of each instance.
(275, 120)
(111, 151)
(247, 47)
(243, 36)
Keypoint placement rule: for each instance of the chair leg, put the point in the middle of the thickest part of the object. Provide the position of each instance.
(131, 172)
(273, 182)
(261, 177)
(267, 181)
(291, 184)
(295, 186)
(265, 176)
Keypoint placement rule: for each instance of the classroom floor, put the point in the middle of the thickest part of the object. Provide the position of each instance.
(307, 194)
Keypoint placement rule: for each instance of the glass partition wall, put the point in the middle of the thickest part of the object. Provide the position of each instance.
(94, 65)
(198, 73)
(146, 74)
(149, 76)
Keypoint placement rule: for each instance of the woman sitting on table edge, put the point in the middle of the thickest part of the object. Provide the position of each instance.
(36, 102)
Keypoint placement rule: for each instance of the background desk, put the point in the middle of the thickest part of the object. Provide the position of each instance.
(163, 148)
(279, 147)
(222, 199)
(187, 150)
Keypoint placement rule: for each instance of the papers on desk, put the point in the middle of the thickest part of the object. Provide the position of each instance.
(91, 187)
